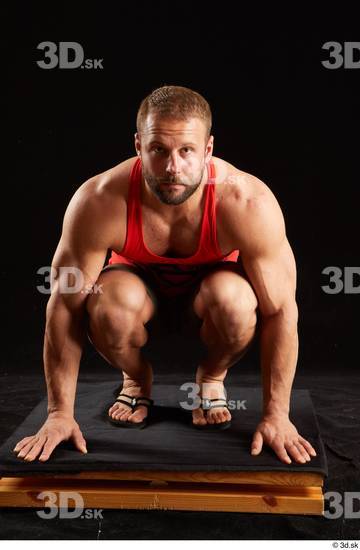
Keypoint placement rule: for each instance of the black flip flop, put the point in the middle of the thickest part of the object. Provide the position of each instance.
(206, 405)
(133, 403)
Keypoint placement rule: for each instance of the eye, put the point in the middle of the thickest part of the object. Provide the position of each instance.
(158, 149)
(187, 149)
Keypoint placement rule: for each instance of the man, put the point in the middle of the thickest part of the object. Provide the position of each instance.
(176, 219)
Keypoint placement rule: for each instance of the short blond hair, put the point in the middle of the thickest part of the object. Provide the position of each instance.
(175, 102)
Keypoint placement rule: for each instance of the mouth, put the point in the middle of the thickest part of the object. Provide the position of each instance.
(172, 185)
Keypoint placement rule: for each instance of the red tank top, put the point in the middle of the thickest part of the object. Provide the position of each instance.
(171, 273)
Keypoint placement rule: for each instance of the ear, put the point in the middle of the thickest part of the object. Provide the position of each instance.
(137, 144)
(209, 148)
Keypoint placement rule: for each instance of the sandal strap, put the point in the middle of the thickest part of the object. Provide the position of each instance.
(119, 400)
(135, 401)
(207, 404)
(148, 402)
(125, 395)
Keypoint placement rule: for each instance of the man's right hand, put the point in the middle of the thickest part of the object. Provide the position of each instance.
(58, 427)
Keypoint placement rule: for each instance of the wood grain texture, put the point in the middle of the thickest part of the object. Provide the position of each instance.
(170, 495)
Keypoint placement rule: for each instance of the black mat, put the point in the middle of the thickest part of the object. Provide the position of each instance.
(169, 442)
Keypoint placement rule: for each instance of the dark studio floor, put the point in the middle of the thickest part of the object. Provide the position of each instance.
(336, 400)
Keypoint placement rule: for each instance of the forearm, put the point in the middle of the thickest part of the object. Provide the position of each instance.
(279, 352)
(63, 344)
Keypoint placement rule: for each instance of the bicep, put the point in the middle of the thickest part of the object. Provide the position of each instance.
(258, 229)
(80, 253)
(267, 256)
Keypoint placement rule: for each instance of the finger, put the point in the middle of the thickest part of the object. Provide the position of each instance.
(48, 448)
(79, 441)
(302, 450)
(27, 447)
(36, 449)
(310, 449)
(280, 450)
(22, 443)
(294, 452)
(257, 443)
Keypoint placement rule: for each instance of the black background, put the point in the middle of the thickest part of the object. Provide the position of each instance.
(278, 114)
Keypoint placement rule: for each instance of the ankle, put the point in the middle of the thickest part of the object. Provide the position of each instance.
(143, 376)
(207, 375)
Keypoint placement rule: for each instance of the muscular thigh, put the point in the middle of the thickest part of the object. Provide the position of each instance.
(227, 282)
(122, 285)
(188, 310)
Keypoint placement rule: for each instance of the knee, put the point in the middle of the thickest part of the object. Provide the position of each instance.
(229, 291)
(231, 304)
(116, 309)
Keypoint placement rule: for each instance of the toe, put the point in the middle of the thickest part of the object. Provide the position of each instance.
(219, 416)
(118, 412)
(116, 409)
(210, 417)
(124, 415)
(138, 415)
(198, 417)
(225, 415)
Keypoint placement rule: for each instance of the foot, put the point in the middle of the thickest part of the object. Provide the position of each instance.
(211, 388)
(120, 411)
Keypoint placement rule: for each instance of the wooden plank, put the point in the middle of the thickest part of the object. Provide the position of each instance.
(257, 498)
(299, 479)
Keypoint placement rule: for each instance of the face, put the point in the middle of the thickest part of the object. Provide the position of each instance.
(173, 152)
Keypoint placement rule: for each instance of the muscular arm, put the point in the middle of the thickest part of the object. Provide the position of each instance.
(83, 245)
(86, 237)
(270, 265)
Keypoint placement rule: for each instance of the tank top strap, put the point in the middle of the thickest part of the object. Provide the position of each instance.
(135, 181)
(209, 244)
(133, 228)
(211, 172)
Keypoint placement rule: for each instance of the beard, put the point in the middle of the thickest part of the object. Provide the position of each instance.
(166, 195)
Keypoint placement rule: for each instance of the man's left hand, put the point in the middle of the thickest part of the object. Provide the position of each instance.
(281, 435)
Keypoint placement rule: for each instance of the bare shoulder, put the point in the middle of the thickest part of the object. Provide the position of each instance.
(99, 204)
(111, 185)
(248, 209)
(234, 183)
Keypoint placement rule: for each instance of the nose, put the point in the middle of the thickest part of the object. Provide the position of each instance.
(172, 167)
